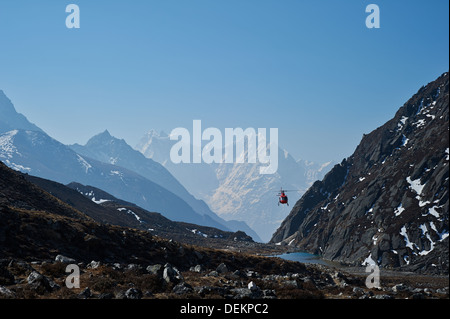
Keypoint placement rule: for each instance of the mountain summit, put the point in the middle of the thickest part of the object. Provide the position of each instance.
(26, 148)
(388, 203)
(10, 119)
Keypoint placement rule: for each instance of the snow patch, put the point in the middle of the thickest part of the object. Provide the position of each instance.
(432, 211)
(415, 185)
(409, 244)
(403, 120)
(100, 201)
(369, 261)
(197, 232)
(419, 123)
(7, 148)
(399, 210)
(405, 141)
(84, 163)
(128, 211)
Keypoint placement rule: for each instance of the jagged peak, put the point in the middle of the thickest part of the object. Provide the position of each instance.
(102, 137)
(10, 119)
(5, 103)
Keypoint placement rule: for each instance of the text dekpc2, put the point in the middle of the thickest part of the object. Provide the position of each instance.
(235, 308)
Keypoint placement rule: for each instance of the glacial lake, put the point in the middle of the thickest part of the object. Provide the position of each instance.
(303, 257)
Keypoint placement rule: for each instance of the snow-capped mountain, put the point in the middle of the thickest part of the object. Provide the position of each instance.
(29, 149)
(199, 179)
(10, 119)
(108, 149)
(238, 191)
(388, 203)
(38, 154)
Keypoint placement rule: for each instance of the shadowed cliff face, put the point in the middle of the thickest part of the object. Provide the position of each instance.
(388, 202)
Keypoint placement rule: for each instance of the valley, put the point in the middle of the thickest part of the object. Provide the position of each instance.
(136, 232)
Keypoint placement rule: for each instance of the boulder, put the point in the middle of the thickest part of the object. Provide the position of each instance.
(400, 287)
(6, 293)
(245, 293)
(85, 294)
(197, 268)
(155, 269)
(182, 288)
(252, 286)
(64, 259)
(206, 290)
(39, 282)
(133, 267)
(93, 264)
(269, 294)
(172, 274)
(133, 293)
(222, 268)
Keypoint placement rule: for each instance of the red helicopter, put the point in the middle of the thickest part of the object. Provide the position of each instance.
(282, 197)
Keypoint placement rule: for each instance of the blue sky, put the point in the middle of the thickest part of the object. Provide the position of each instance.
(309, 68)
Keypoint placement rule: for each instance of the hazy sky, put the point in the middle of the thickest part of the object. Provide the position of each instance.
(310, 68)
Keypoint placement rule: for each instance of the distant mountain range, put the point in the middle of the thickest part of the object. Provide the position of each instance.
(107, 209)
(238, 191)
(37, 225)
(388, 203)
(27, 148)
(108, 149)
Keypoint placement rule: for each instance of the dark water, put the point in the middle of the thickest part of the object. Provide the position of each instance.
(304, 258)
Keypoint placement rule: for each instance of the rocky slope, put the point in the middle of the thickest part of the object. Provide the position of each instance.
(90, 202)
(387, 203)
(34, 224)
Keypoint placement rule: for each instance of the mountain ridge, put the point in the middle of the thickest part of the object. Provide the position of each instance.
(29, 149)
(10, 119)
(107, 209)
(109, 149)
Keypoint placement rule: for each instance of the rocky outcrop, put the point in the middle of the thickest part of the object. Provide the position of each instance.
(387, 203)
